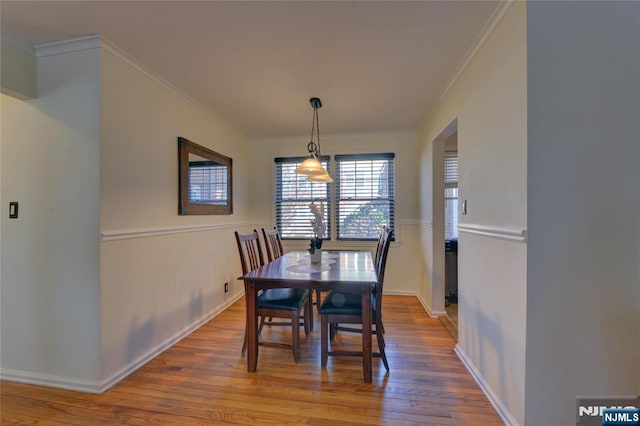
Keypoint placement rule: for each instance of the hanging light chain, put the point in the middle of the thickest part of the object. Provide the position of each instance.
(312, 147)
(312, 167)
(315, 113)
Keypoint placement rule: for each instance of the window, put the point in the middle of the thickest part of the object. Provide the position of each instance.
(365, 195)
(293, 196)
(450, 195)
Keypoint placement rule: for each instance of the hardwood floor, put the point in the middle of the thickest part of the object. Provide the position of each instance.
(203, 380)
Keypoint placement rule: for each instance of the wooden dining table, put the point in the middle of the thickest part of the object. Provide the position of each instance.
(345, 271)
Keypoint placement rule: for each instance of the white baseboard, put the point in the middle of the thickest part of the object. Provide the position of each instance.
(31, 378)
(504, 414)
(431, 312)
(103, 385)
(400, 293)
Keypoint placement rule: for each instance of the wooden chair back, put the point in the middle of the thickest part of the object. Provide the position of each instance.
(250, 251)
(376, 260)
(387, 236)
(273, 243)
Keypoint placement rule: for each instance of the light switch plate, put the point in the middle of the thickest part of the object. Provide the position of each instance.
(13, 209)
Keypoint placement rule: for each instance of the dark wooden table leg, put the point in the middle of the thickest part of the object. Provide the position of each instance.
(252, 327)
(310, 309)
(366, 334)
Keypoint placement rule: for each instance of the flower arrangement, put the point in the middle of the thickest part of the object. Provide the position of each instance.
(318, 227)
(315, 244)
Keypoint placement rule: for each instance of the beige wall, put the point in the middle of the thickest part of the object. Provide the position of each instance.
(487, 104)
(583, 292)
(50, 259)
(18, 73)
(158, 279)
(100, 273)
(404, 262)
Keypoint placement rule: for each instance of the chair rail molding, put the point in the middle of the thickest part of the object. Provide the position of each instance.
(154, 232)
(409, 222)
(500, 232)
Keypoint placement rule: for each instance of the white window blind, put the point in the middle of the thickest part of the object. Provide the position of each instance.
(293, 196)
(450, 195)
(450, 169)
(365, 195)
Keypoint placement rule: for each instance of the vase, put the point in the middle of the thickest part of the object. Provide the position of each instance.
(316, 256)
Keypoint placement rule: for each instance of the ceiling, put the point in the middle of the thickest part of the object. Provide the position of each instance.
(378, 66)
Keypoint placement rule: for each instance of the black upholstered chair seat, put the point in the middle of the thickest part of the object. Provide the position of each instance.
(338, 303)
(290, 299)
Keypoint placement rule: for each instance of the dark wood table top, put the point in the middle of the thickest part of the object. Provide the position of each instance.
(343, 269)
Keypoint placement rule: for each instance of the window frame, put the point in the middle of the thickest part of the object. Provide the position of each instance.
(391, 199)
(326, 161)
(331, 203)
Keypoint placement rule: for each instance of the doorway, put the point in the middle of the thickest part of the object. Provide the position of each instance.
(445, 228)
(451, 228)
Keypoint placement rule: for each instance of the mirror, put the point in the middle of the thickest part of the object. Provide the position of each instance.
(204, 180)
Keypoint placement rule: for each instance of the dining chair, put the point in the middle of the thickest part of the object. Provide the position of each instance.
(346, 308)
(273, 243)
(379, 245)
(376, 261)
(287, 303)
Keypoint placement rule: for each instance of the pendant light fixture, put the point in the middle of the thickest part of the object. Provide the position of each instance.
(312, 166)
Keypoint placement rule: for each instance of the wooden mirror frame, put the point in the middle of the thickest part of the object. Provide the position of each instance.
(185, 205)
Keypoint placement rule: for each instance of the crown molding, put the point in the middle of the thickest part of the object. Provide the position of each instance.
(134, 63)
(125, 57)
(97, 41)
(491, 25)
(67, 46)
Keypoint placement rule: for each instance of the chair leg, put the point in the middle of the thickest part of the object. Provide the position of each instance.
(309, 312)
(261, 324)
(308, 319)
(246, 341)
(295, 330)
(381, 345)
(332, 330)
(324, 341)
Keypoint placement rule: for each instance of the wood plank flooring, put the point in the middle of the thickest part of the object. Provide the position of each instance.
(203, 380)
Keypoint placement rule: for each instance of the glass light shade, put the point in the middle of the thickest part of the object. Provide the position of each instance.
(311, 166)
(320, 178)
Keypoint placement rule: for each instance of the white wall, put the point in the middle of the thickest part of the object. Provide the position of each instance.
(158, 284)
(404, 263)
(583, 295)
(50, 261)
(489, 103)
(100, 273)
(18, 73)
